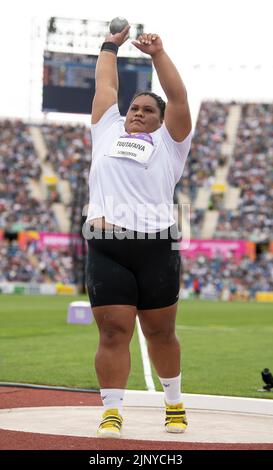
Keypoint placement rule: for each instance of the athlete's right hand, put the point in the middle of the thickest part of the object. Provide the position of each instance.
(119, 38)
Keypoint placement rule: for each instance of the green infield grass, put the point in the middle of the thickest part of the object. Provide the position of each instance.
(225, 346)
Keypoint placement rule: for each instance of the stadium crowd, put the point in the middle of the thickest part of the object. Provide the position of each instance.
(226, 278)
(19, 210)
(69, 152)
(207, 278)
(205, 154)
(251, 171)
(34, 264)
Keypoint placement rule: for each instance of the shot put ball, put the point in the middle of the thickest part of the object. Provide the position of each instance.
(118, 24)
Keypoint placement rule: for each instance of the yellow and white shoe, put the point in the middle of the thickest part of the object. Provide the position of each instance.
(176, 420)
(110, 426)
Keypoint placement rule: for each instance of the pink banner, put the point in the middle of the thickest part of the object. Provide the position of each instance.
(56, 240)
(192, 248)
(210, 248)
(59, 240)
(51, 241)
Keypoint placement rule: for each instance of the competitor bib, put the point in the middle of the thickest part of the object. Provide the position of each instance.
(138, 147)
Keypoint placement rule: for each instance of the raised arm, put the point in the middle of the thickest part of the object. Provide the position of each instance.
(106, 93)
(177, 113)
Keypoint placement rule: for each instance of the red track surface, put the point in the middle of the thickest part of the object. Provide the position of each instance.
(26, 397)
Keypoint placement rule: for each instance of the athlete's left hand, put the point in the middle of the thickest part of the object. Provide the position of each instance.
(149, 44)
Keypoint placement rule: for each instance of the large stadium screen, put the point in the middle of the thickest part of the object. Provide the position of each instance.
(69, 81)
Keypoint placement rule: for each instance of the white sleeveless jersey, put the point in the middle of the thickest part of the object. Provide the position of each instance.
(133, 176)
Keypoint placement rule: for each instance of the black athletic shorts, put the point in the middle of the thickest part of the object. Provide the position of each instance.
(134, 270)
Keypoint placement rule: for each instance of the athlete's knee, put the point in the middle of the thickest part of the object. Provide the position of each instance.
(160, 335)
(114, 335)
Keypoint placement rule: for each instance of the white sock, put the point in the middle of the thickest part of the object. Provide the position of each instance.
(172, 389)
(112, 398)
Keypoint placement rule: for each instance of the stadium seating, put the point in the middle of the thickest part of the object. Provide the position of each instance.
(227, 175)
(251, 172)
(19, 210)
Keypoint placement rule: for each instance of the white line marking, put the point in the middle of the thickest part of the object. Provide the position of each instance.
(145, 359)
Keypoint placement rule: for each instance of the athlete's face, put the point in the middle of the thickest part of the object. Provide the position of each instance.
(143, 115)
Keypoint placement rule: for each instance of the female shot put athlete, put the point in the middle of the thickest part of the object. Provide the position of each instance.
(132, 268)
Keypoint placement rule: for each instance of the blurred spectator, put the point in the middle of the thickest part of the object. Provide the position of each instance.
(197, 218)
